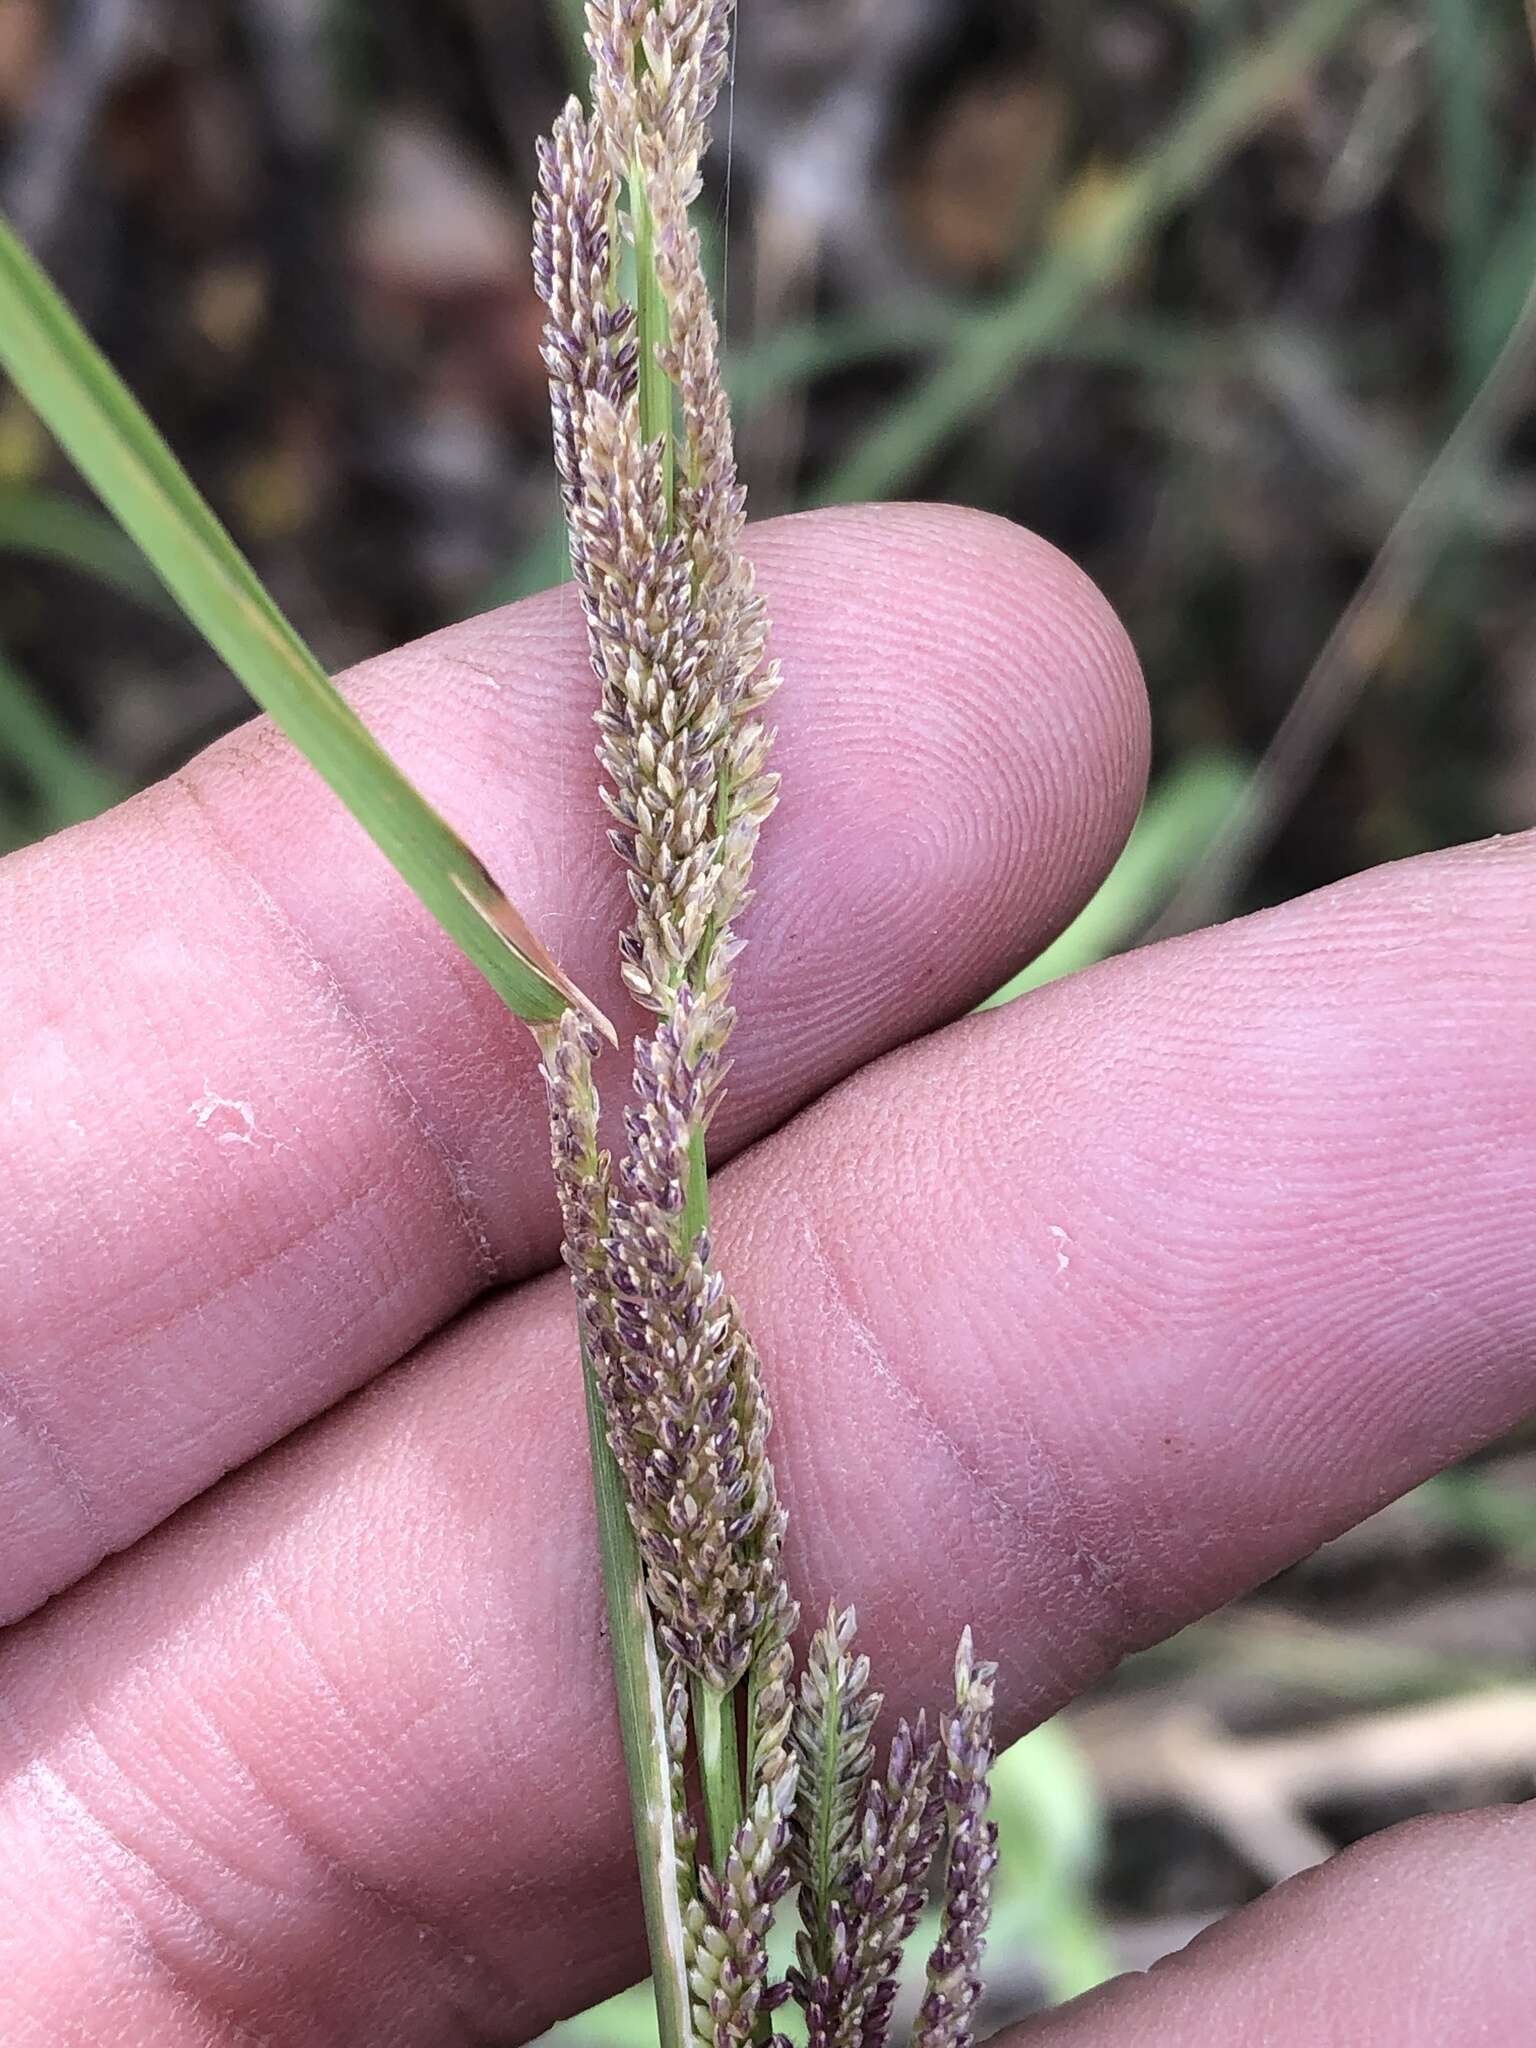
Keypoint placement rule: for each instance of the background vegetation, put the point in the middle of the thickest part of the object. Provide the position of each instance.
(1228, 298)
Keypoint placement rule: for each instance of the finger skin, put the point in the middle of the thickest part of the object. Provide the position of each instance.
(1418, 1938)
(1079, 1318)
(265, 1130)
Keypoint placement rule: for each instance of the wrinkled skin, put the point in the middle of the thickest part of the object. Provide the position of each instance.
(1081, 1317)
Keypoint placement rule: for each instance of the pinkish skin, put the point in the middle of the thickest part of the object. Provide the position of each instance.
(1417, 1938)
(1079, 1317)
(264, 1129)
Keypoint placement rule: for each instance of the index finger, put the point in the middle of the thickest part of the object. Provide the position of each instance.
(266, 1130)
(1411, 1939)
(339, 1745)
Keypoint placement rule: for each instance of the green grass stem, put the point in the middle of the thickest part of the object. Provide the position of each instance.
(642, 1727)
(657, 399)
(714, 1725)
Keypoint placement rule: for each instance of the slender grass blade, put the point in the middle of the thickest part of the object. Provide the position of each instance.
(109, 437)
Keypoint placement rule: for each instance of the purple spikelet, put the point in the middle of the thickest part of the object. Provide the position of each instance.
(848, 2004)
(945, 2018)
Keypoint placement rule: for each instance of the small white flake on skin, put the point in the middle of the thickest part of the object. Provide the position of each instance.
(226, 1121)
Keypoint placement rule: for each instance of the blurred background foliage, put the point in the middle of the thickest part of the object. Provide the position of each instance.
(1231, 299)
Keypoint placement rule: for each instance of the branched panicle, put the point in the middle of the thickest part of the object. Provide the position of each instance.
(771, 1759)
(677, 632)
(589, 345)
(680, 740)
(661, 733)
(712, 503)
(833, 1742)
(711, 507)
(582, 1168)
(946, 2016)
(688, 1419)
(729, 1923)
(848, 2003)
(658, 66)
(679, 1073)
(677, 635)
(664, 726)
(771, 1720)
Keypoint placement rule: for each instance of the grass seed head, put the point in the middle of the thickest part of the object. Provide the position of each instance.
(946, 2018)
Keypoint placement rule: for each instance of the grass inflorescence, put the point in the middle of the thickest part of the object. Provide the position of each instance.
(678, 635)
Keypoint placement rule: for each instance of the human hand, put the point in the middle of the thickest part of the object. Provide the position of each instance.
(1079, 1317)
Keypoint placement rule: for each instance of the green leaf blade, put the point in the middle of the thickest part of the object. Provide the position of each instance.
(110, 439)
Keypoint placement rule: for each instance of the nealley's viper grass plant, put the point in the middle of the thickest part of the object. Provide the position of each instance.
(693, 1529)
(691, 1526)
